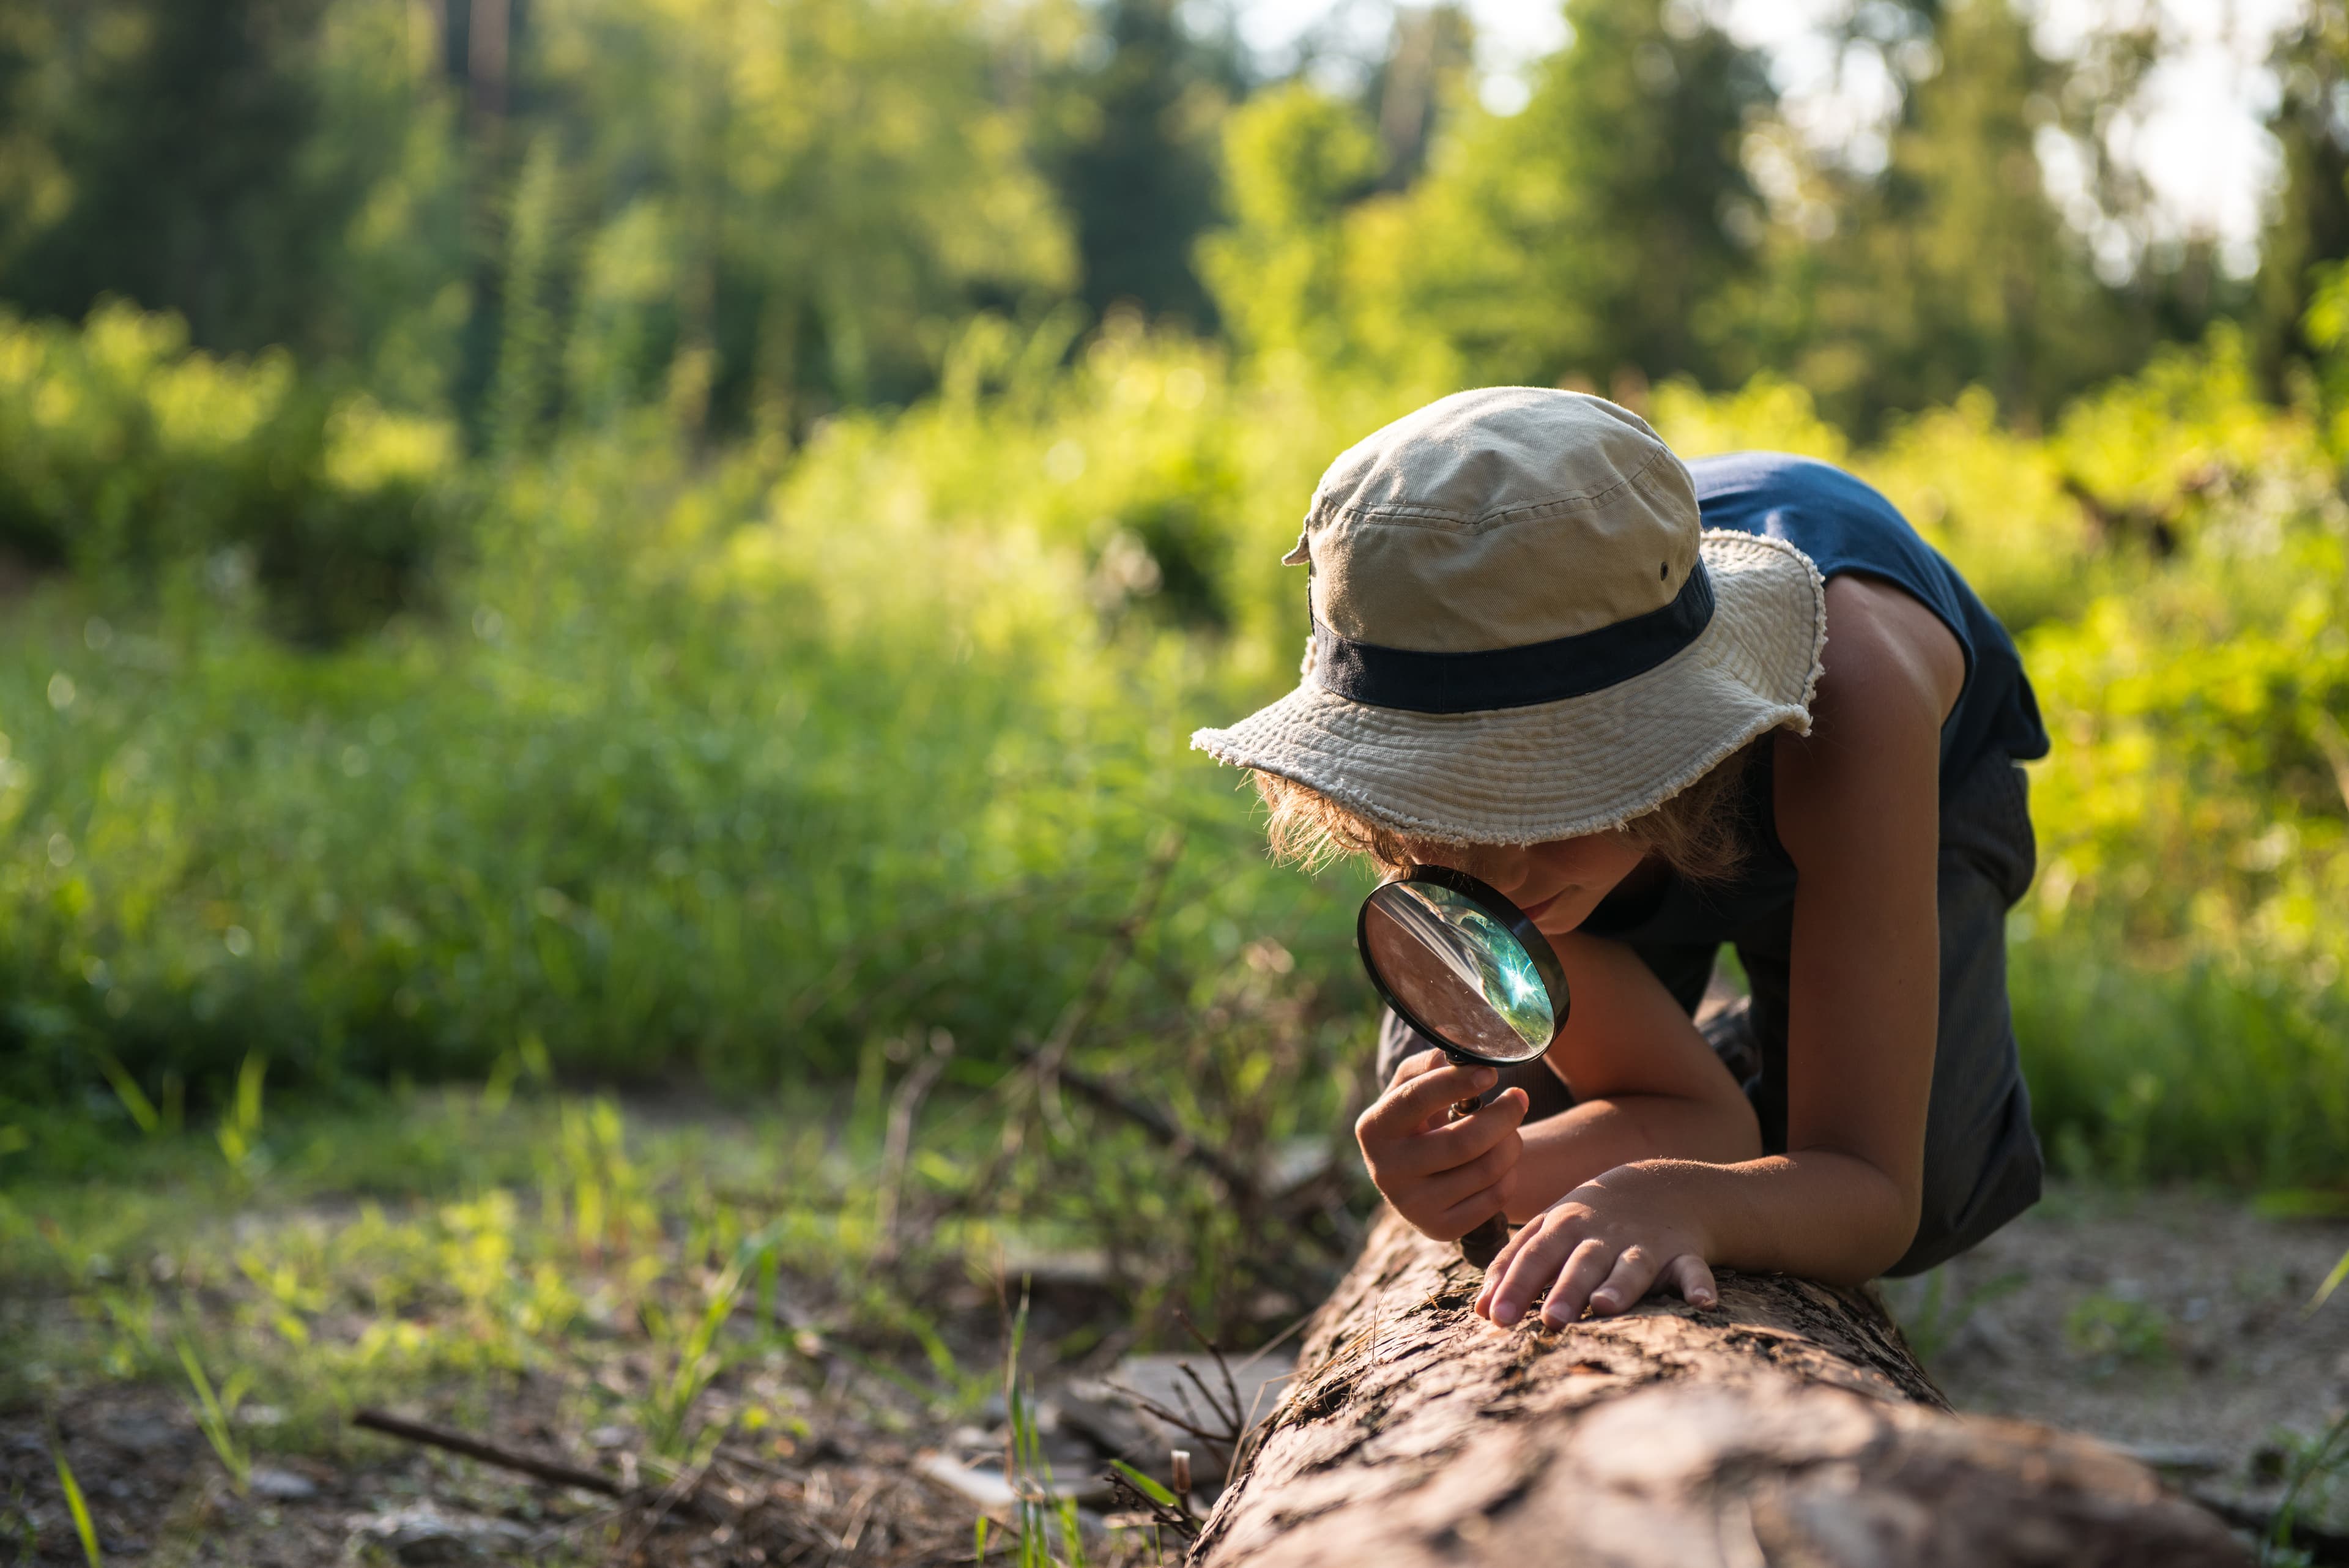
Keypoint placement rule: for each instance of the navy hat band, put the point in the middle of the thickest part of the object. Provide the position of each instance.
(1520, 677)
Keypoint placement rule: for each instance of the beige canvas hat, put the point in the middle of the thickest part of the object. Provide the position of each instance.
(1521, 629)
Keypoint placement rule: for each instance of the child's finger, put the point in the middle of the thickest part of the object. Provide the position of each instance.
(1455, 1184)
(1634, 1273)
(1413, 1065)
(1536, 1263)
(1400, 1111)
(1693, 1277)
(1497, 1271)
(1456, 1144)
(1585, 1269)
(1469, 1212)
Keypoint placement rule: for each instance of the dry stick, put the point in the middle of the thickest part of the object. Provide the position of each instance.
(678, 1495)
(1231, 1384)
(1185, 1421)
(2324, 1545)
(810, 999)
(553, 1472)
(1088, 1001)
(1235, 1181)
(1042, 1067)
(903, 1107)
(1131, 1497)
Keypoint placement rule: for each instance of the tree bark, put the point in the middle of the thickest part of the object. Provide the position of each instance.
(1788, 1425)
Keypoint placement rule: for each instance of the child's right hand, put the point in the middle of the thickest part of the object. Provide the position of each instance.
(1445, 1176)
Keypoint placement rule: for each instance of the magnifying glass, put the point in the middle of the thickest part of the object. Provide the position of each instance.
(1464, 966)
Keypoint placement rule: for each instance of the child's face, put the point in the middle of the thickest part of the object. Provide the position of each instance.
(1557, 883)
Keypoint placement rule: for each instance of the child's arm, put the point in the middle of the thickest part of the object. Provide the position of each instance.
(1646, 1084)
(1858, 809)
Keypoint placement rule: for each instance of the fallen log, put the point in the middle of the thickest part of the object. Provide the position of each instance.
(1788, 1425)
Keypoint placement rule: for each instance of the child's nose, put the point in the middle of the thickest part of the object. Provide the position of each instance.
(1507, 871)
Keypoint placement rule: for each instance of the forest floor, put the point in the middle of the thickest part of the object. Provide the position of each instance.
(622, 1294)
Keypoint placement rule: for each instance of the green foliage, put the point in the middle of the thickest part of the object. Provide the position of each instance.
(1953, 266)
(774, 211)
(216, 1416)
(708, 769)
(1293, 159)
(1135, 158)
(2112, 1332)
(2308, 226)
(1590, 231)
(758, 766)
(143, 465)
(225, 226)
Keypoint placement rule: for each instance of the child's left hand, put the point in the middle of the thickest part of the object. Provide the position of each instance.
(1603, 1245)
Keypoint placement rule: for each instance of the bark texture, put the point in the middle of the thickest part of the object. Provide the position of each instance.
(1789, 1425)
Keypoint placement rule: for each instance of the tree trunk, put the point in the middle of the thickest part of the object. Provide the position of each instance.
(1788, 1425)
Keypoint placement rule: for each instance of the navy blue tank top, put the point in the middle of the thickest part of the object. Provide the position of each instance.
(1843, 525)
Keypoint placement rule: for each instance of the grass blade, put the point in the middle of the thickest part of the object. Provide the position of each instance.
(126, 1089)
(2332, 1283)
(1143, 1484)
(213, 1417)
(78, 1506)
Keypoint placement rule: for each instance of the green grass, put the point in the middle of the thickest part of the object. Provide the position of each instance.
(748, 770)
(2195, 1072)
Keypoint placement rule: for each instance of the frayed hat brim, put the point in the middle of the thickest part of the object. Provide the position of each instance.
(1582, 764)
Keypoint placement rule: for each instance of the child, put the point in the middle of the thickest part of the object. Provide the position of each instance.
(1662, 707)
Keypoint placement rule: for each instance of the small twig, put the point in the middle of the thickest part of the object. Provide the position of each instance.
(1188, 1423)
(1180, 1520)
(679, 1496)
(1231, 1384)
(1236, 1182)
(2322, 1545)
(860, 1514)
(1228, 1438)
(903, 1107)
(752, 1463)
(1088, 1001)
(553, 1472)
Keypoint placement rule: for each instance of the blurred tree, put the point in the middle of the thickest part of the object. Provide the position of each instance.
(1586, 233)
(1134, 162)
(1953, 266)
(1582, 236)
(2308, 226)
(178, 131)
(274, 171)
(1294, 159)
(1425, 70)
(784, 208)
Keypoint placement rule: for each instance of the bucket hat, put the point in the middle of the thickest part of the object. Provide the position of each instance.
(1522, 630)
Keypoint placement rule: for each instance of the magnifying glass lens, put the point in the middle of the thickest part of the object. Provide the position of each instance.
(1457, 973)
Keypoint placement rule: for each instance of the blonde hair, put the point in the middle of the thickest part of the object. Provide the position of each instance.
(1694, 831)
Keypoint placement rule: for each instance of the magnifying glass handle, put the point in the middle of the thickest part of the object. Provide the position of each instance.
(1483, 1244)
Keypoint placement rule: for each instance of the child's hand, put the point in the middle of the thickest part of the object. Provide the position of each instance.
(1604, 1245)
(1445, 1176)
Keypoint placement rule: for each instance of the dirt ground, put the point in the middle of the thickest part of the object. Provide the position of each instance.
(2169, 1323)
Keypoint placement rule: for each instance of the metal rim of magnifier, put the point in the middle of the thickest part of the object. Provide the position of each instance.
(1504, 914)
